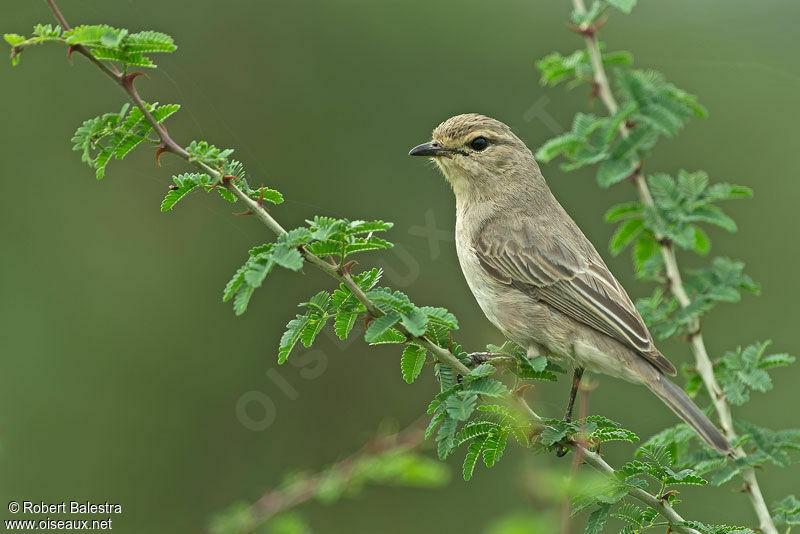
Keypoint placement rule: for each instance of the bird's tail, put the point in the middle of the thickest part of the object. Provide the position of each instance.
(680, 403)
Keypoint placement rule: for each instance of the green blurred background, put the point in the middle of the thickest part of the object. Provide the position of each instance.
(121, 368)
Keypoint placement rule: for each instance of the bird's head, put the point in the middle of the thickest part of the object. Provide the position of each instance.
(477, 154)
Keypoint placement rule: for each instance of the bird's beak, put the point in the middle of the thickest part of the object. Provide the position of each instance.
(429, 149)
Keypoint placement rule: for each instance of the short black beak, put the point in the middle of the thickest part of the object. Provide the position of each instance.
(429, 149)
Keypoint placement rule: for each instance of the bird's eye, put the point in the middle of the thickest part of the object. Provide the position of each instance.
(479, 143)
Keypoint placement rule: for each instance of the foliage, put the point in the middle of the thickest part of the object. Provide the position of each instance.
(678, 216)
(104, 42)
(115, 134)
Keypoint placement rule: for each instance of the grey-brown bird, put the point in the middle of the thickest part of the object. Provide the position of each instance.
(536, 276)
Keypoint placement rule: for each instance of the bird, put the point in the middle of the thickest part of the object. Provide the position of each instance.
(534, 273)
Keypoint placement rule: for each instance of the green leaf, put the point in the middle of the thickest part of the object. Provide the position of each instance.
(444, 437)
(343, 323)
(597, 519)
(313, 327)
(289, 258)
(483, 370)
(459, 408)
(13, 38)
(412, 362)
(625, 234)
(494, 446)
(440, 316)
(640, 137)
(724, 475)
(474, 429)
(471, 458)
(242, 299)
(686, 476)
(434, 423)
(787, 512)
(294, 329)
(415, 321)
(603, 435)
(265, 193)
(391, 336)
(363, 227)
(626, 6)
(554, 432)
(150, 41)
(175, 195)
(624, 211)
(488, 387)
(380, 325)
(614, 170)
(702, 243)
(630, 513)
(234, 284)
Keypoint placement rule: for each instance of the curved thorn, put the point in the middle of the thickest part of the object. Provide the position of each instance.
(160, 150)
(127, 80)
(70, 50)
(346, 267)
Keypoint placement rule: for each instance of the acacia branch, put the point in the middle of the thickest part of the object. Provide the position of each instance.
(702, 360)
(598, 464)
(126, 82)
(304, 489)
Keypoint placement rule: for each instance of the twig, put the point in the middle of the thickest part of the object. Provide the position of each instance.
(702, 360)
(597, 463)
(276, 501)
(169, 145)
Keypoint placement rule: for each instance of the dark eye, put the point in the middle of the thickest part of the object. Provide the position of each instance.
(479, 143)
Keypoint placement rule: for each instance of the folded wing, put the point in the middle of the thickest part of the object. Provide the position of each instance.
(574, 282)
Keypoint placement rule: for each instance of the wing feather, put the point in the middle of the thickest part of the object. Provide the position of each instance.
(576, 283)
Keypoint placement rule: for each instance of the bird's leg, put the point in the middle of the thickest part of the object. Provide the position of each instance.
(576, 382)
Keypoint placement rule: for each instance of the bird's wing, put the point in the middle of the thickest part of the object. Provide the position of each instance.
(574, 281)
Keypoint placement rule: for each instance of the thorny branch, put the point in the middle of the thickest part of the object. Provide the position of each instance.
(702, 361)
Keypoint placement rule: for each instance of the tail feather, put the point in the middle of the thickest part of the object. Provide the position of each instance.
(680, 403)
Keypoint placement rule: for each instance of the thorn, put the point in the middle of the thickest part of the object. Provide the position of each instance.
(520, 390)
(261, 197)
(333, 262)
(160, 150)
(668, 494)
(346, 267)
(127, 80)
(573, 28)
(588, 30)
(595, 91)
(70, 50)
(242, 213)
(228, 178)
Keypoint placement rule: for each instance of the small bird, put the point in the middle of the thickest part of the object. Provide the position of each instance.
(536, 276)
